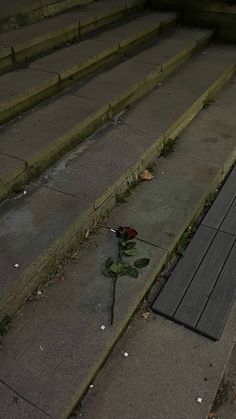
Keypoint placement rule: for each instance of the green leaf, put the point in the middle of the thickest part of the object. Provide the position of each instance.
(132, 272)
(130, 252)
(114, 268)
(108, 262)
(141, 263)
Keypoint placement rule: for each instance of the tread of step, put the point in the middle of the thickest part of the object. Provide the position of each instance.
(220, 14)
(27, 42)
(72, 206)
(50, 340)
(15, 13)
(48, 132)
(21, 89)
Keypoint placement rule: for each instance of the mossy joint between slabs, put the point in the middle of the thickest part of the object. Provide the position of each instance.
(46, 264)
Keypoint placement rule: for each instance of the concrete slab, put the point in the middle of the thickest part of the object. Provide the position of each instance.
(66, 321)
(25, 34)
(99, 162)
(177, 188)
(137, 24)
(15, 406)
(180, 88)
(167, 369)
(25, 221)
(20, 83)
(31, 133)
(66, 58)
(111, 83)
(160, 52)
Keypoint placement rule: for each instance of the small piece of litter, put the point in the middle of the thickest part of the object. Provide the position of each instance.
(199, 400)
(113, 231)
(39, 292)
(16, 265)
(126, 354)
(103, 327)
(91, 386)
(145, 315)
(25, 192)
(146, 176)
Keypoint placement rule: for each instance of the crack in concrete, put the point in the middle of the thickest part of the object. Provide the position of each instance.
(23, 397)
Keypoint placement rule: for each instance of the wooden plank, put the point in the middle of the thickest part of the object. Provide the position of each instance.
(221, 205)
(229, 223)
(195, 299)
(172, 294)
(220, 302)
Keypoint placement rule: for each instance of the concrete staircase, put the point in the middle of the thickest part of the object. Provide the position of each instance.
(88, 98)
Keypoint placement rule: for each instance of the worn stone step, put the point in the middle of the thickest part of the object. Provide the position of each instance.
(47, 356)
(81, 188)
(17, 13)
(42, 136)
(220, 14)
(20, 45)
(21, 89)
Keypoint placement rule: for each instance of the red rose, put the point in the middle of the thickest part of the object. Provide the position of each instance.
(130, 232)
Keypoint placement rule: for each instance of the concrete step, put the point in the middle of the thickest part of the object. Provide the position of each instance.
(17, 13)
(220, 14)
(39, 138)
(20, 45)
(21, 89)
(81, 188)
(55, 345)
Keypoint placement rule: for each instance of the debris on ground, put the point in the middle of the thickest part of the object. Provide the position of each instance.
(146, 176)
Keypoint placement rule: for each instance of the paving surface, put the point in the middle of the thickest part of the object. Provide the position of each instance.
(60, 187)
(47, 356)
(202, 288)
(167, 369)
(224, 406)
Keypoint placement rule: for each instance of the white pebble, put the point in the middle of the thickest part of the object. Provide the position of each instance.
(126, 354)
(103, 327)
(199, 400)
(91, 386)
(16, 265)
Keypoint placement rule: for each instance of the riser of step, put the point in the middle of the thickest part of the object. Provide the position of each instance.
(35, 154)
(218, 14)
(50, 75)
(71, 207)
(28, 42)
(16, 15)
(50, 340)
